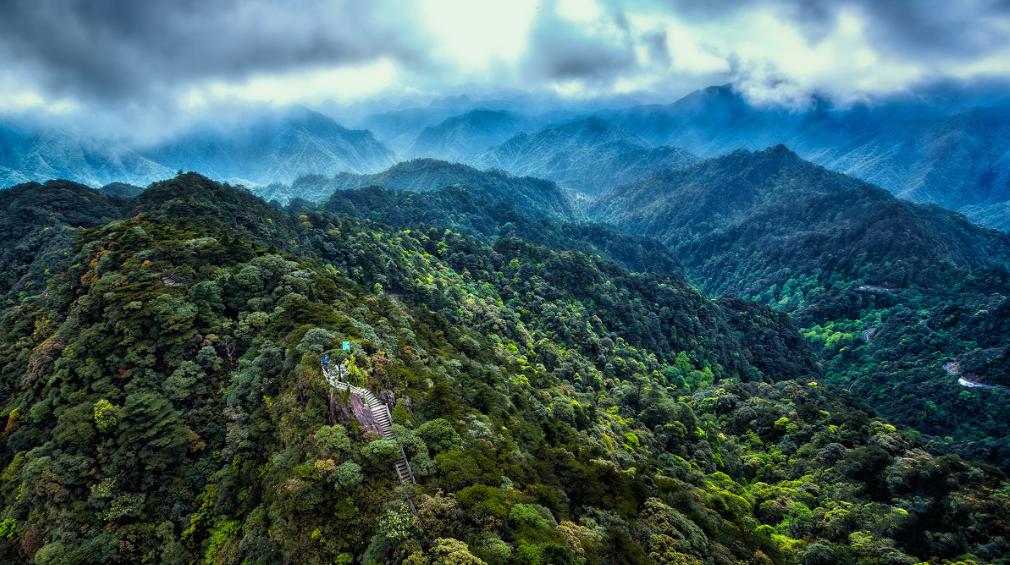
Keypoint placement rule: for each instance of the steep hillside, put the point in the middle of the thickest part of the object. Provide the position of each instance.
(589, 155)
(890, 291)
(772, 200)
(274, 148)
(457, 208)
(37, 225)
(532, 197)
(164, 402)
(461, 137)
(37, 153)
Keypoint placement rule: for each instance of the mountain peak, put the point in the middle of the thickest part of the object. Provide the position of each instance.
(781, 150)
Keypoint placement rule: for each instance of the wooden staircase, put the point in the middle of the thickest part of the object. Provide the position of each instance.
(380, 415)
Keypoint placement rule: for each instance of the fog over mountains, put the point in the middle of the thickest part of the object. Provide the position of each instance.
(279, 146)
(923, 148)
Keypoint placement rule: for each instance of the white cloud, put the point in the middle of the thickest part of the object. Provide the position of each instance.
(690, 53)
(344, 83)
(477, 34)
(582, 11)
(776, 62)
(160, 56)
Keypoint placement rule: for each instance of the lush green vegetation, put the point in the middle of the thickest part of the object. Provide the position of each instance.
(459, 209)
(163, 403)
(887, 291)
(531, 197)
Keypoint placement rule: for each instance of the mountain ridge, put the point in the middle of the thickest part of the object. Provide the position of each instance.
(888, 290)
(590, 155)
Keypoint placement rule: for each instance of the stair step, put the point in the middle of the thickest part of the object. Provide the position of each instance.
(383, 419)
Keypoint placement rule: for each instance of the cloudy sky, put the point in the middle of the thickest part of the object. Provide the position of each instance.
(126, 57)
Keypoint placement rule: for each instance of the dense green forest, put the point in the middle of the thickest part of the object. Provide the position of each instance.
(160, 370)
(891, 294)
(531, 197)
(459, 208)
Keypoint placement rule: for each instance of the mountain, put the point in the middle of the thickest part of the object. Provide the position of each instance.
(553, 407)
(889, 291)
(461, 210)
(588, 155)
(38, 223)
(398, 129)
(708, 122)
(955, 155)
(701, 202)
(39, 152)
(121, 190)
(532, 197)
(274, 148)
(460, 137)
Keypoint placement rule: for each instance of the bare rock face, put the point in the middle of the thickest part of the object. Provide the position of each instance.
(346, 406)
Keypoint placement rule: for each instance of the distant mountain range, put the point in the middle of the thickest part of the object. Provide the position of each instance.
(42, 152)
(460, 137)
(275, 148)
(271, 148)
(938, 149)
(531, 196)
(926, 151)
(589, 155)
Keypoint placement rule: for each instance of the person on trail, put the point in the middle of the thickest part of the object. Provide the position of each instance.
(326, 361)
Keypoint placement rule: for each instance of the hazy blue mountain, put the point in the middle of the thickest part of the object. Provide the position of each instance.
(398, 129)
(923, 148)
(41, 152)
(588, 155)
(532, 197)
(275, 148)
(461, 137)
(994, 215)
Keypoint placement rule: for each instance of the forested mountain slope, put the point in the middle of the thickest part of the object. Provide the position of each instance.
(532, 197)
(891, 290)
(459, 138)
(917, 147)
(164, 404)
(588, 155)
(37, 226)
(457, 208)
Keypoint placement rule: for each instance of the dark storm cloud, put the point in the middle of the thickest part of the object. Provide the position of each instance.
(564, 50)
(908, 28)
(127, 49)
(146, 53)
